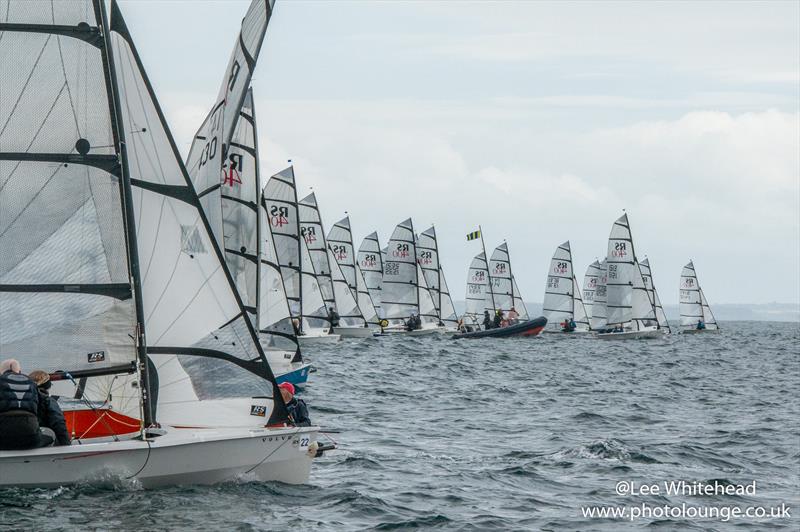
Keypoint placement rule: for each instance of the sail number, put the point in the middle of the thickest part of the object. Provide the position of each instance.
(400, 251)
(425, 257)
(309, 234)
(560, 267)
(620, 249)
(369, 261)
(278, 216)
(339, 251)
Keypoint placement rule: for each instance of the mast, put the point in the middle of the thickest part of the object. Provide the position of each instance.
(488, 271)
(259, 245)
(148, 417)
(299, 250)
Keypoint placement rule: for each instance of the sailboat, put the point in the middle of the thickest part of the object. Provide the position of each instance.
(491, 287)
(503, 288)
(630, 314)
(693, 304)
(477, 293)
(111, 279)
(340, 242)
(562, 295)
(335, 291)
(370, 261)
(404, 291)
(589, 287)
(652, 293)
(306, 298)
(245, 236)
(428, 259)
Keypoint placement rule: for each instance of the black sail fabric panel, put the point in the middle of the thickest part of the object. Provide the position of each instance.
(65, 295)
(189, 296)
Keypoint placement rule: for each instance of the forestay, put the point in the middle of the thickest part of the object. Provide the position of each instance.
(428, 258)
(370, 261)
(627, 301)
(340, 240)
(652, 293)
(589, 287)
(693, 304)
(208, 160)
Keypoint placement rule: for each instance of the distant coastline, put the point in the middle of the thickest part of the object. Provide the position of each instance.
(785, 312)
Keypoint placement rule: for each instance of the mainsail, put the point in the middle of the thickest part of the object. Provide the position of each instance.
(340, 240)
(627, 300)
(312, 231)
(503, 290)
(370, 261)
(305, 296)
(693, 304)
(599, 320)
(589, 287)
(652, 293)
(107, 256)
(404, 291)
(428, 258)
(477, 291)
(562, 295)
(209, 160)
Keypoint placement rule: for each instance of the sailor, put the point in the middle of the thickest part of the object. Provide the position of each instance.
(19, 407)
(413, 323)
(487, 321)
(296, 327)
(297, 409)
(498, 318)
(50, 414)
(513, 316)
(701, 325)
(333, 317)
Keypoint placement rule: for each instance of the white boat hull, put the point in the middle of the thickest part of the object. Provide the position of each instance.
(626, 335)
(310, 339)
(353, 332)
(695, 331)
(181, 456)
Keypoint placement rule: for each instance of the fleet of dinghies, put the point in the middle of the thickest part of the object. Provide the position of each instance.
(169, 300)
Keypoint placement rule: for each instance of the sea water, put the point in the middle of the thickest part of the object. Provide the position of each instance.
(513, 434)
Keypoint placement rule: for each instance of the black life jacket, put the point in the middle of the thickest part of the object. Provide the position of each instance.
(18, 392)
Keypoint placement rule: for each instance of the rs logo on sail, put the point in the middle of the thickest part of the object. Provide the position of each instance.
(278, 216)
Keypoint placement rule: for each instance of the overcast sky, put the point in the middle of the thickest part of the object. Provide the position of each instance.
(541, 121)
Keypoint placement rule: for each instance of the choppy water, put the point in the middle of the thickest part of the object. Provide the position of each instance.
(514, 434)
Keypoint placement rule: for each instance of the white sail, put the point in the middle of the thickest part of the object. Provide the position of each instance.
(280, 202)
(428, 259)
(559, 294)
(519, 304)
(346, 305)
(67, 292)
(652, 293)
(579, 314)
(208, 160)
(477, 291)
(340, 240)
(589, 286)
(314, 313)
(399, 296)
(503, 291)
(627, 301)
(370, 262)
(599, 320)
(427, 308)
(693, 304)
(312, 231)
(401, 291)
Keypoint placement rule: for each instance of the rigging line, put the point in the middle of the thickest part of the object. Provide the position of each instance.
(23, 91)
(64, 72)
(35, 136)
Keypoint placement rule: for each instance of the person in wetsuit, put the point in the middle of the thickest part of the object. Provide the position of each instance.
(297, 409)
(19, 410)
(50, 414)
